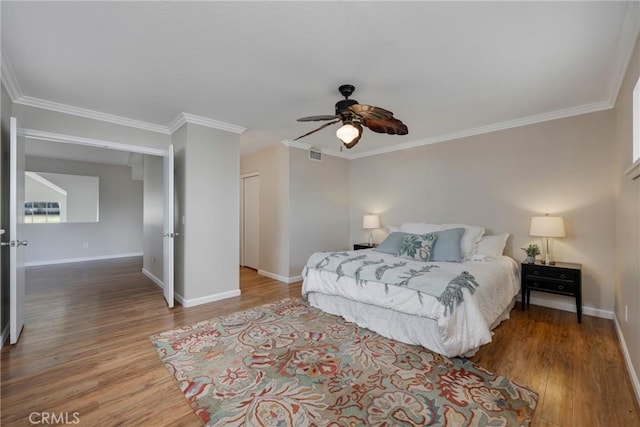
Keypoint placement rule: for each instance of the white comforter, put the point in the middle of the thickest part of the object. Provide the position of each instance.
(467, 328)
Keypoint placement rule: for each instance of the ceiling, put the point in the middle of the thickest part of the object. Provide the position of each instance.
(446, 69)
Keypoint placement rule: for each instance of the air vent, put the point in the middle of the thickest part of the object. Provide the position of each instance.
(315, 154)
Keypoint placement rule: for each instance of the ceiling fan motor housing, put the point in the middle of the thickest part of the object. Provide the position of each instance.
(343, 105)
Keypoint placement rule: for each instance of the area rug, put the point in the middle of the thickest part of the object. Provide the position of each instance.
(289, 364)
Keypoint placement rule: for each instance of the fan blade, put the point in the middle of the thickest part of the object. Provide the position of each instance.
(370, 112)
(317, 118)
(392, 126)
(316, 130)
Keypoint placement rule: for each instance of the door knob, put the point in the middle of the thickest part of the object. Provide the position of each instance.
(16, 243)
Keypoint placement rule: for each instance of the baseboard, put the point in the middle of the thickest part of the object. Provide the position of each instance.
(204, 300)
(84, 259)
(279, 278)
(153, 278)
(5, 335)
(571, 307)
(627, 359)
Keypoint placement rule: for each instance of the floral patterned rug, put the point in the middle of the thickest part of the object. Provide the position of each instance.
(289, 364)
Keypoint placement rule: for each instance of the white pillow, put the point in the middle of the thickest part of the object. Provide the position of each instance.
(419, 227)
(392, 229)
(491, 247)
(470, 238)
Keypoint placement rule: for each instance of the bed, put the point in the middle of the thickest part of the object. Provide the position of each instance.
(449, 307)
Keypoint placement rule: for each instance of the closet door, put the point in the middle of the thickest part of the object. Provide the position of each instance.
(250, 220)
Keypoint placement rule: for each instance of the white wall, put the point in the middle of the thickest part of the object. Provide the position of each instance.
(119, 231)
(499, 180)
(627, 244)
(319, 207)
(208, 169)
(153, 216)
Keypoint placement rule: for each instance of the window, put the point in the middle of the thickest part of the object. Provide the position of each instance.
(41, 212)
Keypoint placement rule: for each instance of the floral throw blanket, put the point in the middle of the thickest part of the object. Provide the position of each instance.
(424, 278)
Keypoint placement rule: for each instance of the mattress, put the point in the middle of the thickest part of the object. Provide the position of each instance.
(403, 314)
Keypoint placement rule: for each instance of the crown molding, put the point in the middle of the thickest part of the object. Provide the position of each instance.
(627, 38)
(8, 78)
(183, 118)
(90, 114)
(296, 144)
(545, 117)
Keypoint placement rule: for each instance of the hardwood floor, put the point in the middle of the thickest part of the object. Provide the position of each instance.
(85, 352)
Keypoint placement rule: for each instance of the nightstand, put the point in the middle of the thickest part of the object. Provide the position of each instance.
(358, 246)
(561, 278)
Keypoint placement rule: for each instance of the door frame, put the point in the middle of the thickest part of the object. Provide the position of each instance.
(92, 142)
(242, 177)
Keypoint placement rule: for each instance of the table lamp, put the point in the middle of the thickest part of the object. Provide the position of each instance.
(547, 227)
(371, 222)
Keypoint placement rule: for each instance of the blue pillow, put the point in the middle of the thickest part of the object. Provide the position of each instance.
(445, 249)
(447, 246)
(391, 245)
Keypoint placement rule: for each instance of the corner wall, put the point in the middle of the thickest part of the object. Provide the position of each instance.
(627, 243)
(207, 183)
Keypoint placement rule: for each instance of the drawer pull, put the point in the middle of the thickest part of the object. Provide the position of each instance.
(560, 287)
(535, 273)
(563, 276)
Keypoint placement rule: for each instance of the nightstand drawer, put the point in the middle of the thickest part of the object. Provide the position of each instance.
(558, 286)
(535, 271)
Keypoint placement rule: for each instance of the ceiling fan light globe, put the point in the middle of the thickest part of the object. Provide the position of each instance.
(347, 133)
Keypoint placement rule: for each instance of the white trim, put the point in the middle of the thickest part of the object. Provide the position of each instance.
(100, 143)
(205, 300)
(9, 77)
(249, 174)
(571, 307)
(183, 118)
(44, 181)
(5, 335)
(90, 114)
(287, 280)
(627, 37)
(153, 278)
(85, 259)
(296, 144)
(634, 171)
(627, 359)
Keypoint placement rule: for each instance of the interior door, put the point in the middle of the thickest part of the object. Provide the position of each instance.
(16, 221)
(168, 229)
(250, 221)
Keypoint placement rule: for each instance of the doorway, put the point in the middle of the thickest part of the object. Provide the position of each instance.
(250, 220)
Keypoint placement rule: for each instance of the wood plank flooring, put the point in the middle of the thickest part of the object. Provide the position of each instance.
(86, 349)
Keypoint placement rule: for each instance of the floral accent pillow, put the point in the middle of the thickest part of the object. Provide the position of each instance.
(417, 247)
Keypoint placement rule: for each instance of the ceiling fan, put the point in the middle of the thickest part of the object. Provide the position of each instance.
(353, 116)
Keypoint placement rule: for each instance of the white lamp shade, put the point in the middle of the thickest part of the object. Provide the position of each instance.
(347, 133)
(547, 226)
(370, 222)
